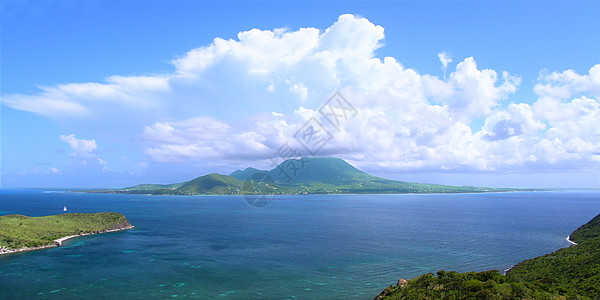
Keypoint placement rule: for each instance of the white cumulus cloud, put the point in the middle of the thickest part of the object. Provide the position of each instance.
(240, 99)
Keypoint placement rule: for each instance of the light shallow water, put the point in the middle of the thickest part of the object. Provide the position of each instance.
(300, 247)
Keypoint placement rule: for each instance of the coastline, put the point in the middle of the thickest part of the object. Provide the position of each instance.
(568, 238)
(58, 242)
(116, 192)
(508, 270)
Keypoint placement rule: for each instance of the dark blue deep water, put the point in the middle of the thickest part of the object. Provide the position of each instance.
(299, 247)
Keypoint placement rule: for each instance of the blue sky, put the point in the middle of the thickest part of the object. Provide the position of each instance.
(110, 94)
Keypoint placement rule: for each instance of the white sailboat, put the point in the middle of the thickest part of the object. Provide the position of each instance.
(65, 209)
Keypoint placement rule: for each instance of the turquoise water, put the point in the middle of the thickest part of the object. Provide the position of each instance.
(299, 247)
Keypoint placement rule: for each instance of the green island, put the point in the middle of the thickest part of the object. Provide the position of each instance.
(308, 175)
(21, 233)
(569, 273)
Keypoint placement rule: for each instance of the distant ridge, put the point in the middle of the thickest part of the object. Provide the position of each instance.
(211, 184)
(307, 175)
(243, 175)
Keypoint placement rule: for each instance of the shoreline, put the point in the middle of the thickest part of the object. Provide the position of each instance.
(115, 192)
(508, 270)
(58, 242)
(568, 238)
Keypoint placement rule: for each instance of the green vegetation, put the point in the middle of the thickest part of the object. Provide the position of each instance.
(312, 175)
(152, 187)
(569, 273)
(587, 232)
(216, 184)
(572, 271)
(242, 175)
(18, 231)
(471, 285)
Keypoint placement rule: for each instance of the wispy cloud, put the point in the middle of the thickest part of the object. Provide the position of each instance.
(445, 59)
(83, 150)
(81, 147)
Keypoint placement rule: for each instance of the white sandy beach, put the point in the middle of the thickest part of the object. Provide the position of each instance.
(58, 242)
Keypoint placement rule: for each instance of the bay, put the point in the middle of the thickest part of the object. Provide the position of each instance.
(299, 247)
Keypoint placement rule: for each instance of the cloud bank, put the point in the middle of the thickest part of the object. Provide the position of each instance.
(239, 100)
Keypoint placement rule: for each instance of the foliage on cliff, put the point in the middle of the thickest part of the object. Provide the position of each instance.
(587, 231)
(572, 271)
(471, 285)
(569, 273)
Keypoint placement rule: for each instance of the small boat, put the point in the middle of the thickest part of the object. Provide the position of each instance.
(65, 209)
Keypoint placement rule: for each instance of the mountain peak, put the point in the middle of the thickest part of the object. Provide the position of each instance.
(308, 169)
(331, 170)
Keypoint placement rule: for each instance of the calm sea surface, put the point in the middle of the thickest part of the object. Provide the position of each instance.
(299, 247)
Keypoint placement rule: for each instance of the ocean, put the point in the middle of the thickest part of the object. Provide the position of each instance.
(299, 247)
